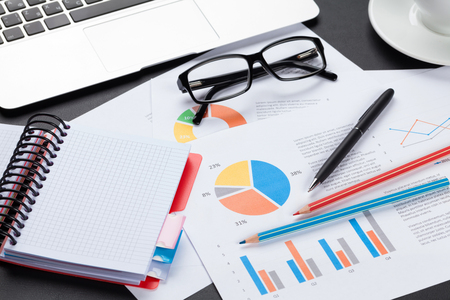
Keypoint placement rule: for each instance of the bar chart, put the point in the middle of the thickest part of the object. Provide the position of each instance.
(263, 282)
(375, 240)
(302, 270)
(362, 237)
(339, 259)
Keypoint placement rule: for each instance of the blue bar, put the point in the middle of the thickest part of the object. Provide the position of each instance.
(253, 275)
(364, 238)
(296, 271)
(331, 255)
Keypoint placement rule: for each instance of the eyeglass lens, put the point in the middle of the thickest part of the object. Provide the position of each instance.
(294, 59)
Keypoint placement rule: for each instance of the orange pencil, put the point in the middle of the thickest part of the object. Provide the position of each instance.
(373, 181)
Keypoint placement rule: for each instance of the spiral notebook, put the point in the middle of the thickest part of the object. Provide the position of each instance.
(83, 202)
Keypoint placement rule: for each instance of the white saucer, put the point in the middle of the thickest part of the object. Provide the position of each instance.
(399, 24)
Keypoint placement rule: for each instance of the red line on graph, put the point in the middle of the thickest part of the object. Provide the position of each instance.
(437, 126)
(409, 131)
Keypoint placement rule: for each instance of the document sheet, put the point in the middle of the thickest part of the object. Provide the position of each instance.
(254, 177)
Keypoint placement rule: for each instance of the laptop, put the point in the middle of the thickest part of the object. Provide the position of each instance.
(52, 47)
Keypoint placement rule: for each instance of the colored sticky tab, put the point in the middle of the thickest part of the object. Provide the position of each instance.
(165, 255)
(150, 283)
(186, 182)
(170, 231)
(159, 270)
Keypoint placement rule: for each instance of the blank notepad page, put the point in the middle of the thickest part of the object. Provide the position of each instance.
(104, 201)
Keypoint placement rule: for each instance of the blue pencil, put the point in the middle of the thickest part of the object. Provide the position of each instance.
(345, 212)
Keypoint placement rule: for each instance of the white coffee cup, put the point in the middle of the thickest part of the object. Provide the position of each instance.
(435, 14)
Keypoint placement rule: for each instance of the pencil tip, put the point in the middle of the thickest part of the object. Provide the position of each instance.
(304, 210)
(242, 242)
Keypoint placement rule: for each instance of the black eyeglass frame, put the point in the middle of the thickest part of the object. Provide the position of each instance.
(251, 59)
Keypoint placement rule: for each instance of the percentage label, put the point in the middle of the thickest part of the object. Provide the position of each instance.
(213, 166)
(206, 194)
(185, 136)
(295, 173)
(240, 223)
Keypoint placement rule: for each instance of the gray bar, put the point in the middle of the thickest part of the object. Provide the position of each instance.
(379, 231)
(276, 279)
(348, 251)
(312, 265)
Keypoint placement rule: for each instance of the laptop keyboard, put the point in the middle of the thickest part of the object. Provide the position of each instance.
(22, 18)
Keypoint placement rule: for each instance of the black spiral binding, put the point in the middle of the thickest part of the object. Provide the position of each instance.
(23, 177)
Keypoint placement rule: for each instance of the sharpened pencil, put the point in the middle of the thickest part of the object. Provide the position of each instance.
(346, 212)
(333, 198)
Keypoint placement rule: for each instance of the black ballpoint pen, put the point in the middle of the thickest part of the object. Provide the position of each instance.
(352, 138)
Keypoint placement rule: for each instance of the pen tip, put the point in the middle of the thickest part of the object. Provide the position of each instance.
(296, 214)
(242, 242)
(313, 184)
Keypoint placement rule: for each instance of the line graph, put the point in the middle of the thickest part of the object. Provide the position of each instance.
(422, 131)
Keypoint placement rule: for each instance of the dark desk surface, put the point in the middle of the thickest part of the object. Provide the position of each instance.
(344, 24)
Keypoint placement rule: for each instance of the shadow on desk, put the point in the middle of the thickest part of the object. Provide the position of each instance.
(22, 283)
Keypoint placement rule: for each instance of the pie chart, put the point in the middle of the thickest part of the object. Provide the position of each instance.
(252, 187)
(184, 127)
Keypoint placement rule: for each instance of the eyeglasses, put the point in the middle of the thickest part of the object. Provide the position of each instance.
(228, 76)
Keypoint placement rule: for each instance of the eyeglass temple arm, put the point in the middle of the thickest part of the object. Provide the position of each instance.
(258, 72)
(238, 77)
(198, 117)
(241, 76)
(324, 73)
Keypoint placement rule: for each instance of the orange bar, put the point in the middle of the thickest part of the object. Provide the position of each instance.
(344, 260)
(377, 242)
(300, 262)
(267, 281)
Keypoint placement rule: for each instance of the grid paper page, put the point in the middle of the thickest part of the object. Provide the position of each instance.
(104, 201)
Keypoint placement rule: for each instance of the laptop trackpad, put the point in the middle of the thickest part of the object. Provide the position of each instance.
(145, 36)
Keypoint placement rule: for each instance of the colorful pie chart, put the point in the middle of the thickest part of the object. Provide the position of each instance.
(252, 188)
(184, 127)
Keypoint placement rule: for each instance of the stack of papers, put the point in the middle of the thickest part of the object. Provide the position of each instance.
(288, 149)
